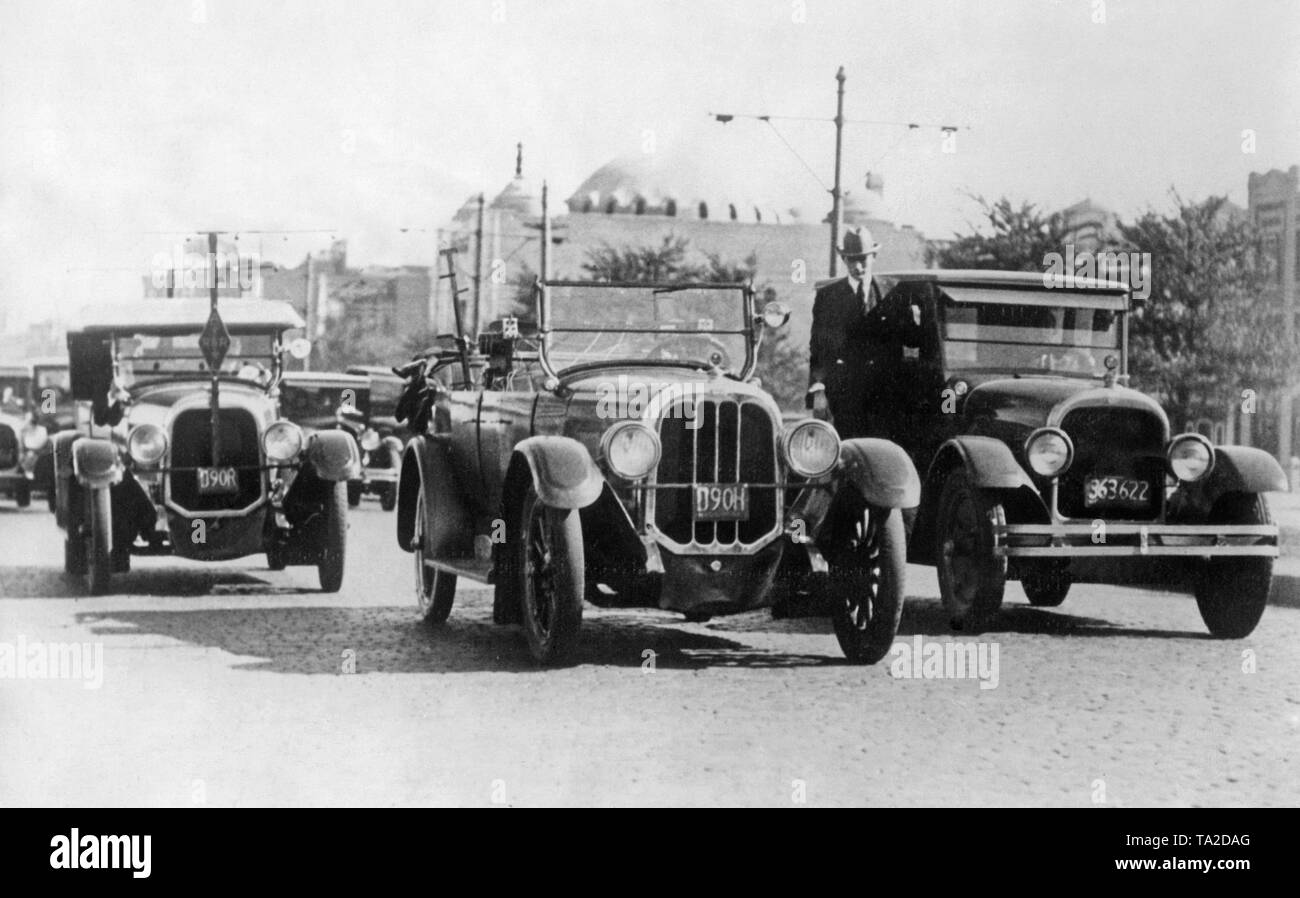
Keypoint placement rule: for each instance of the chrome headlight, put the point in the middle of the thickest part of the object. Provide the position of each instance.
(1190, 456)
(811, 448)
(147, 444)
(282, 442)
(35, 436)
(1049, 451)
(631, 449)
(369, 440)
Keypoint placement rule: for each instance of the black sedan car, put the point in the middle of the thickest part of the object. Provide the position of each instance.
(1040, 464)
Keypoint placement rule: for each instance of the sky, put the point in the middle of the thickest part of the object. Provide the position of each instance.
(127, 124)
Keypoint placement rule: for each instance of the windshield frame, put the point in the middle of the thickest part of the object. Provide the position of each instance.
(139, 381)
(546, 328)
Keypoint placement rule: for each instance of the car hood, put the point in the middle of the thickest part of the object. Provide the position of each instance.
(1011, 408)
(158, 404)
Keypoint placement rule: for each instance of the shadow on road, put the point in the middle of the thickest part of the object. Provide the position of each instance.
(321, 640)
(31, 582)
(926, 617)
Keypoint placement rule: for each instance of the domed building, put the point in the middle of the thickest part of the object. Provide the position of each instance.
(717, 204)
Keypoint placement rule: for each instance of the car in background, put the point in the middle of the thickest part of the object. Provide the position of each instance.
(1040, 464)
(186, 451)
(623, 454)
(328, 400)
(37, 392)
(383, 459)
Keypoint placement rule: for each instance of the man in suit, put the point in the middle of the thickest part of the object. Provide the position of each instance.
(856, 351)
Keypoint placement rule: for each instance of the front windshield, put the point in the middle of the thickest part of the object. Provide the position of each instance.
(146, 357)
(600, 323)
(1066, 340)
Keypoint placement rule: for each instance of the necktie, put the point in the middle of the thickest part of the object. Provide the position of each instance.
(862, 299)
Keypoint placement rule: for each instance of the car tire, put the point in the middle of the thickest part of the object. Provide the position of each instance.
(435, 590)
(864, 586)
(99, 533)
(23, 494)
(388, 498)
(1232, 593)
(547, 569)
(354, 495)
(1046, 584)
(972, 579)
(330, 566)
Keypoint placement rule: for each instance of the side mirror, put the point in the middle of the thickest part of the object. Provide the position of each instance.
(300, 348)
(775, 314)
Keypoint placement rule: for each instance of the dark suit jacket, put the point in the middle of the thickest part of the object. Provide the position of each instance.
(858, 354)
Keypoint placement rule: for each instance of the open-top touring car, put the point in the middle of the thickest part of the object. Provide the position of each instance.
(1041, 464)
(621, 451)
(186, 452)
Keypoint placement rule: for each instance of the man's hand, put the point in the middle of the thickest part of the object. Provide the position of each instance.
(821, 408)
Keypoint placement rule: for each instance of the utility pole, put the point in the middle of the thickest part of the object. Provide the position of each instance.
(478, 263)
(836, 211)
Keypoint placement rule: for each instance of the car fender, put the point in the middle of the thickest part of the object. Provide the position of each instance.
(394, 450)
(881, 471)
(1244, 469)
(562, 470)
(333, 455)
(988, 461)
(449, 522)
(96, 463)
(63, 474)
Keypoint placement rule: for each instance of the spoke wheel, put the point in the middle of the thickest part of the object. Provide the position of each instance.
(972, 579)
(865, 585)
(435, 590)
(549, 578)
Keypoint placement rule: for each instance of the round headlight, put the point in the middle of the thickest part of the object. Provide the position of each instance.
(811, 448)
(1049, 451)
(631, 449)
(35, 436)
(369, 440)
(1191, 457)
(282, 441)
(147, 444)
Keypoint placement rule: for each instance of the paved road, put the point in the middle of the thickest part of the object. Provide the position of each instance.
(226, 685)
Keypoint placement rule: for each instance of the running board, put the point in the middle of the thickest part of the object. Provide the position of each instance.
(473, 568)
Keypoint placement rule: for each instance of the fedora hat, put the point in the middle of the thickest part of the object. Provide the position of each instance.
(858, 242)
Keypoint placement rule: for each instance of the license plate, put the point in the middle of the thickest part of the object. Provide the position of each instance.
(218, 481)
(1123, 492)
(722, 502)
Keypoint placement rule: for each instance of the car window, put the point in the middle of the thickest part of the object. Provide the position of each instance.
(1022, 337)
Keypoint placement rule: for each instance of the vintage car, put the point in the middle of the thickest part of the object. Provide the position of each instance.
(186, 452)
(383, 461)
(327, 400)
(17, 433)
(1040, 464)
(623, 453)
(36, 394)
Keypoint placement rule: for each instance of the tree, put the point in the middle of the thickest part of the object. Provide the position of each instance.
(1020, 240)
(666, 263)
(1211, 327)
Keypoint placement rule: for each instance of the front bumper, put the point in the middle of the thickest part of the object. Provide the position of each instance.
(1116, 539)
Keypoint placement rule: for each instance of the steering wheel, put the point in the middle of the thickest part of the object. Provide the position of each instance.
(688, 346)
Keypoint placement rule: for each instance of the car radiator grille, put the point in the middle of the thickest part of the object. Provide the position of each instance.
(1113, 442)
(733, 443)
(8, 446)
(191, 447)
